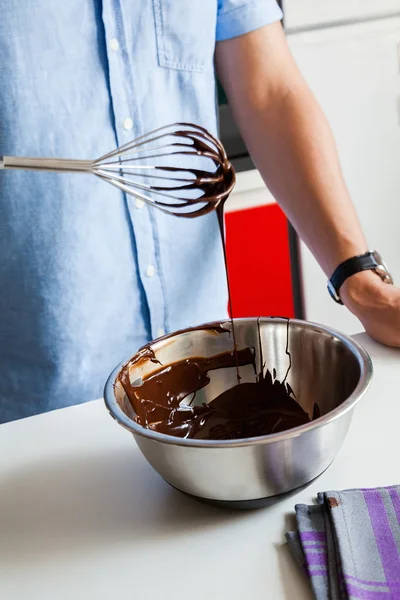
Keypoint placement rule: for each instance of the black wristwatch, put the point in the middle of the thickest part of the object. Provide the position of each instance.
(370, 261)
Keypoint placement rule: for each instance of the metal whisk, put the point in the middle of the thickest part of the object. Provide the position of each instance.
(197, 178)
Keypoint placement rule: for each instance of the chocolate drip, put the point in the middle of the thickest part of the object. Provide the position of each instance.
(221, 222)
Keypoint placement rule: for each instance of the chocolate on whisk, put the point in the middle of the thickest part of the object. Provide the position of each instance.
(181, 169)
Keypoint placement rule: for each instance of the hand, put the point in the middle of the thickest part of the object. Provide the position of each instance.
(376, 304)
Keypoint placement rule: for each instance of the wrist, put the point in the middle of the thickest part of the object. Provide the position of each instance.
(363, 290)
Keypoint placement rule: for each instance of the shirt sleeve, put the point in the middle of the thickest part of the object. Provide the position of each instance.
(236, 17)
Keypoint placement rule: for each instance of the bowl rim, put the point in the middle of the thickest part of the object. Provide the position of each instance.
(366, 373)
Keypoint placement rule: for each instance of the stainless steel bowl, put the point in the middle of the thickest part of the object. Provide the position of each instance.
(328, 368)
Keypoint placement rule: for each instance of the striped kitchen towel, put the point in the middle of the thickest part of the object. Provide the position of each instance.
(349, 544)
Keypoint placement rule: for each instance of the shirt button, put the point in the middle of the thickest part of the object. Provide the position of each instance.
(150, 271)
(128, 123)
(114, 45)
(160, 332)
(139, 203)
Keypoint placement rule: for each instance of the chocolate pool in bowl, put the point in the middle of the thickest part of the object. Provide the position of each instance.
(225, 442)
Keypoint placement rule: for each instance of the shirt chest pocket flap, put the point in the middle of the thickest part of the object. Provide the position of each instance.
(185, 33)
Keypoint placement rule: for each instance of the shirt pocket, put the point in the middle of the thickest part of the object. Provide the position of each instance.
(185, 32)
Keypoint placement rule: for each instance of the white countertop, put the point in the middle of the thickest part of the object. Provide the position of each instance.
(82, 514)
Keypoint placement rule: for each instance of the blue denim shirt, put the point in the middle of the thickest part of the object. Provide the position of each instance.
(87, 274)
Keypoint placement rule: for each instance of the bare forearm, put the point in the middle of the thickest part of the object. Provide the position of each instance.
(294, 149)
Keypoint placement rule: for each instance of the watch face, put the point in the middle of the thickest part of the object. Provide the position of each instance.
(382, 269)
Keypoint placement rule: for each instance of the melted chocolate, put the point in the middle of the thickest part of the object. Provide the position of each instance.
(163, 401)
(214, 185)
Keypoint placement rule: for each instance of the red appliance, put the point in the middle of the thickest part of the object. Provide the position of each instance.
(259, 262)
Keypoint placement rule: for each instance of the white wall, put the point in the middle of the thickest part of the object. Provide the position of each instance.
(311, 13)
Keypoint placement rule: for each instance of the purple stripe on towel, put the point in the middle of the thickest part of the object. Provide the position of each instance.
(318, 571)
(394, 496)
(316, 559)
(357, 592)
(384, 539)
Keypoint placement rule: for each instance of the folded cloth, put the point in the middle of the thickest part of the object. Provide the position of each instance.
(349, 544)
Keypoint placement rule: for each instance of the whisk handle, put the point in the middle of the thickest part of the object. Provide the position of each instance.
(45, 164)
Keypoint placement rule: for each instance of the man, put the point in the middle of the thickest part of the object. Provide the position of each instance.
(87, 274)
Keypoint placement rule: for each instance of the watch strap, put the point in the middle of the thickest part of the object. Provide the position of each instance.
(349, 267)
